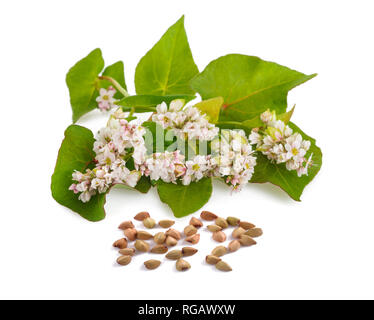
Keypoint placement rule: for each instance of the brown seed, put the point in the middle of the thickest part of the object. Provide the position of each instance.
(124, 260)
(130, 234)
(194, 239)
(238, 232)
(223, 266)
(170, 241)
(149, 223)
(159, 248)
(214, 228)
(208, 216)
(121, 243)
(256, 232)
(219, 236)
(174, 254)
(159, 238)
(125, 225)
(196, 222)
(173, 233)
(246, 225)
(219, 251)
(211, 259)
(141, 216)
(222, 223)
(141, 245)
(234, 245)
(246, 240)
(190, 230)
(182, 265)
(166, 223)
(152, 264)
(127, 251)
(144, 235)
(188, 251)
(233, 221)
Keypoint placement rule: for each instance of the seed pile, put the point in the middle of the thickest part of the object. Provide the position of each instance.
(162, 242)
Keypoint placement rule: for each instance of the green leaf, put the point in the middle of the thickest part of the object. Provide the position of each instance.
(286, 117)
(143, 185)
(115, 71)
(81, 80)
(211, 108)
(265, 171)
(147, 103)
(248, 85)
(169, 66)
(184, 200)
(76, 154)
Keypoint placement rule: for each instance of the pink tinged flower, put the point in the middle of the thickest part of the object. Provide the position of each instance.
(268, 116)
(132, 178)
(305, 144)
(100, 173)
(179, 170)
(176, 105)
(85, 196)
(292, 165)
(162, 108)
(78, 176)
(73, 187)
(255, 137)
(287, 131)
(83, 186)
(301, 171)
(293, 145)
(106, 100)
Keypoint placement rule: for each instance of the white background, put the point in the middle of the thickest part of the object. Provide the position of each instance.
(321, 247)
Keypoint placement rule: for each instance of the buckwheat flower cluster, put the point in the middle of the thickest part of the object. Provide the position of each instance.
(234, 159)
(187, 123)
(106, 98)
(113, 145)
(171, 167)
(280, 144)
(167, 166)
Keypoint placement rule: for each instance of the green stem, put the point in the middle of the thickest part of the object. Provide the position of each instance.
(132, 112)
(116, 85)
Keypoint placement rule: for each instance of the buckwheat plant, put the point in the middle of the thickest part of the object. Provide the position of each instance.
(238, 132)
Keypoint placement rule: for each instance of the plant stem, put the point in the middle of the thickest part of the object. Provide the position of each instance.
(115, 84)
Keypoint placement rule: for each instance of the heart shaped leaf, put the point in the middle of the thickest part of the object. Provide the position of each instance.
(248, 85)
(184, 200)
(169, 66)
(76, 154)
(266, 171)
(83, 82)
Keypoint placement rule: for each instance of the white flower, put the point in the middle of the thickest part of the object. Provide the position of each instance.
(278, 142)
(132, 178)
(293, 147)
(162, 108)
(255, 137)
(268, 116)
(85, 196)
(176, 105)
(187, 123)
(106, 98)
